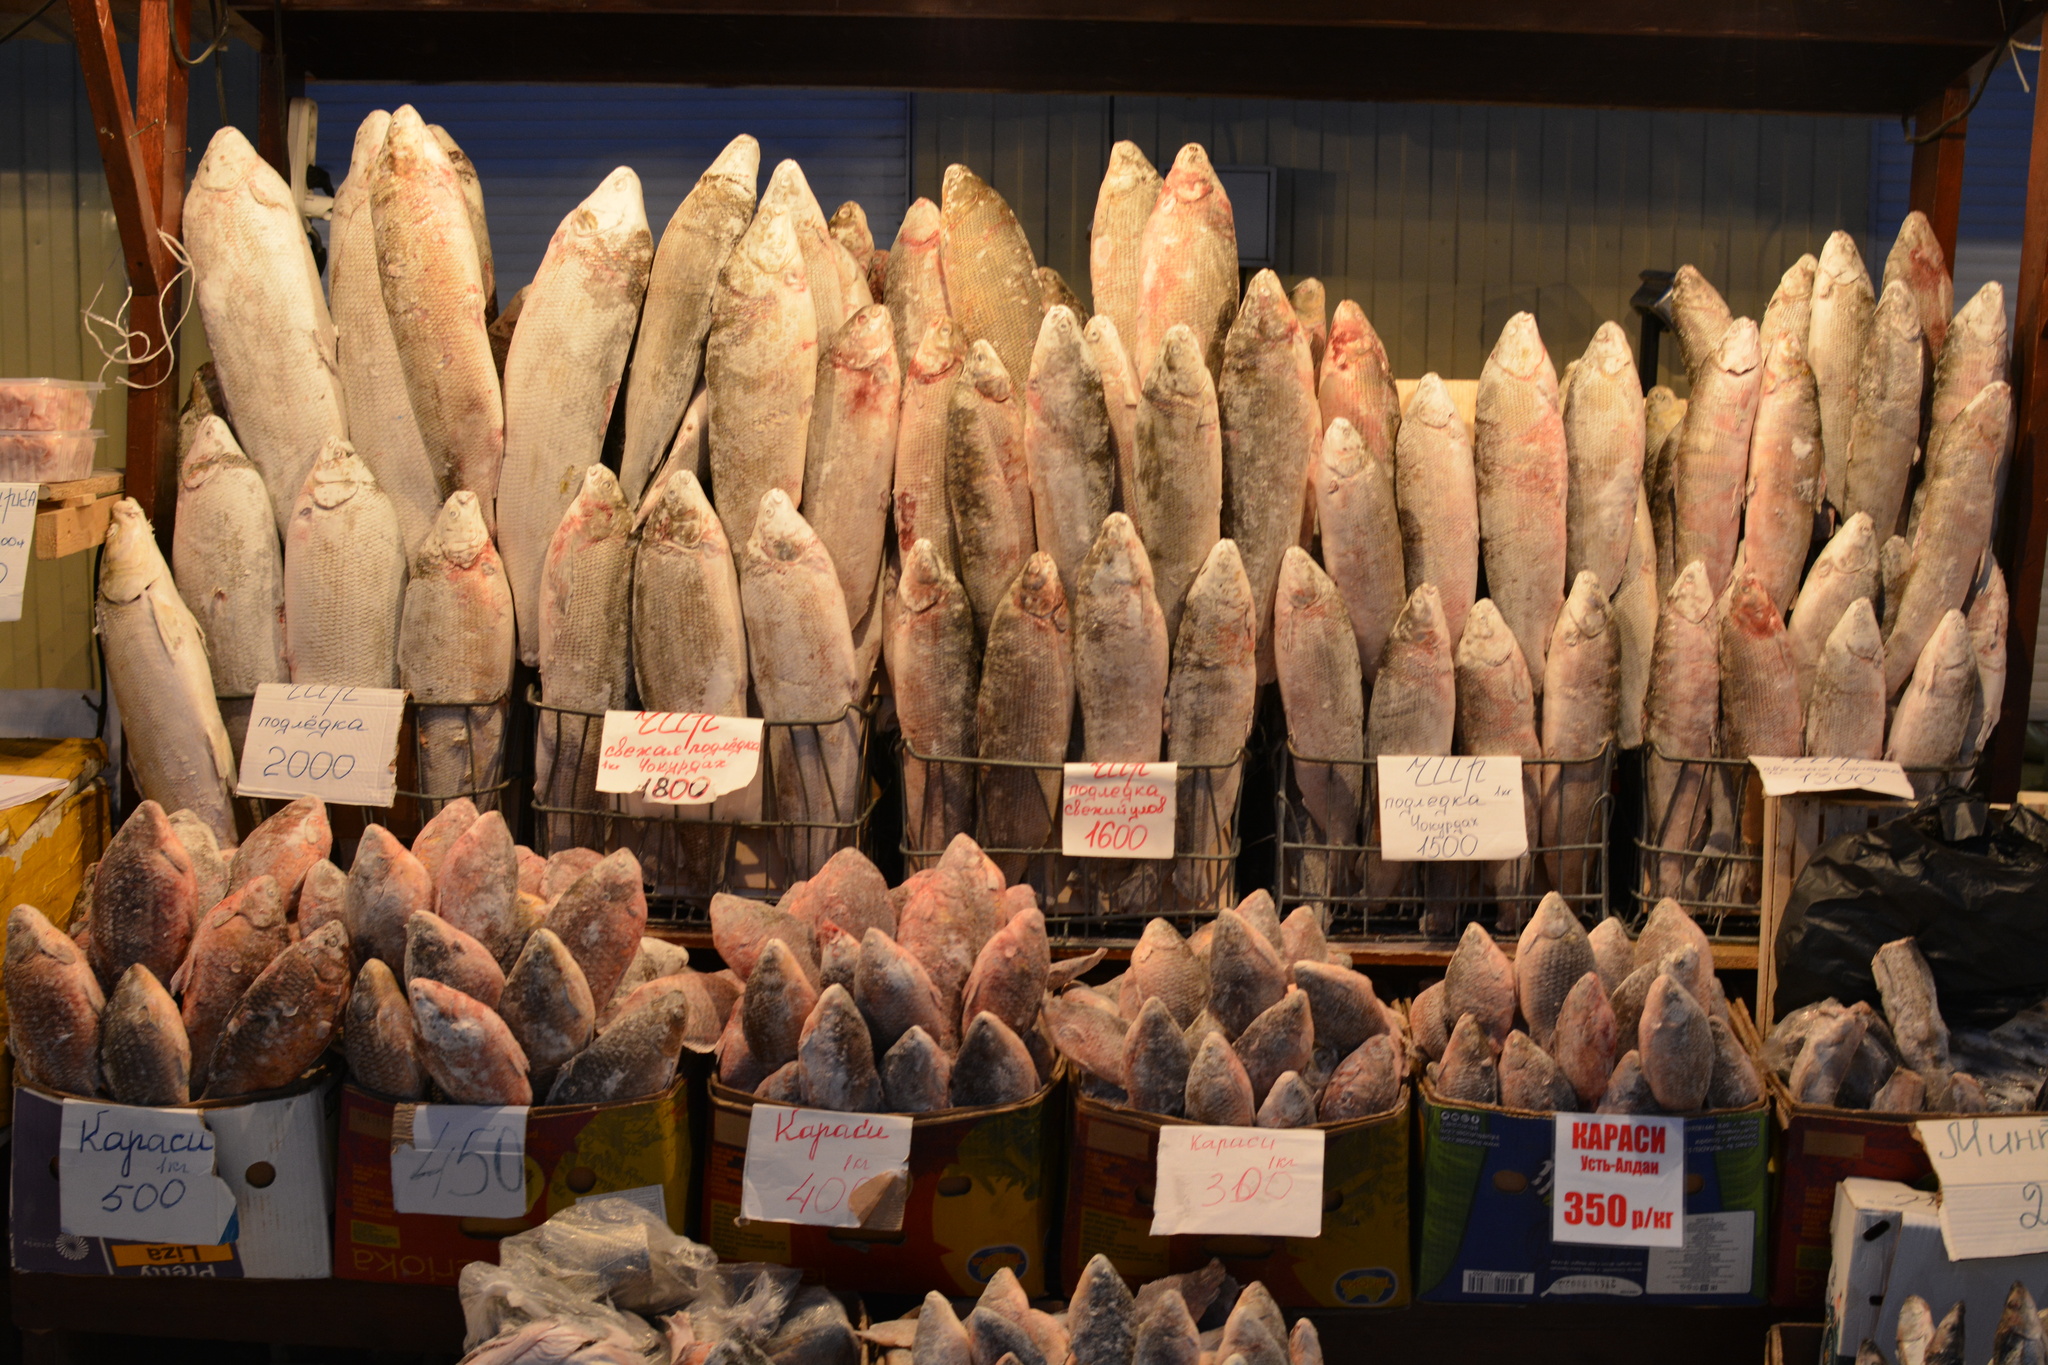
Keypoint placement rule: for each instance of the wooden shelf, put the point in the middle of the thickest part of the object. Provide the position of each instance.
(1877, 57)
(74, 514)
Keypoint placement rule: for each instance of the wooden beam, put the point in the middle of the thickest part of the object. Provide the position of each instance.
(2023, 521)
(1937, 187)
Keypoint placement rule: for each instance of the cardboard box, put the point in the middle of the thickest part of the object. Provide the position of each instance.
(1486, 1183)
(983, 1187)
(1359, 1261)
(640, 1148)
(272, 1151)
(1887, 1246)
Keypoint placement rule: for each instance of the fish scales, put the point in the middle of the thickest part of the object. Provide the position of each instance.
(1024, 709)
(1846, 569)
(457, 642)
(1120, 650)
(227, 561)
(1760, 711)
(1188, 263)
(1116, 267)
(934, 671)
(1176, 494)
(918, 496)
(1845, 712)
(1436, 489)
(991, 504)
(1521, 474)
(1955, 527)
(1711, 464)
(1604, 435)
(1884, 433)
(991, 281)
(1784, 471)
(1580, 707)
(1838, 332)
(344, 576)
(1211, 694)
(916, 290)
(851, 456)
(1322, 693)
(582, 620)
(1361, 536)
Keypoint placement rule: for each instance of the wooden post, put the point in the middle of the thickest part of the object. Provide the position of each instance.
(2023, 533)
(142, 147)
(1937, 188)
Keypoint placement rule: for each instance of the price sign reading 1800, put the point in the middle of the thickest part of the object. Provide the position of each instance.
(463, 1159)
(1118, 810)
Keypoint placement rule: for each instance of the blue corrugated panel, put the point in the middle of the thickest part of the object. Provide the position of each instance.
(1994, 166)
(540, 148)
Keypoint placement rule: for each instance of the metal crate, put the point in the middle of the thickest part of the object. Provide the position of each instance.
(482, 731)
(741, 844)
(1083, 898)
(1366, 898)
(1708, 853)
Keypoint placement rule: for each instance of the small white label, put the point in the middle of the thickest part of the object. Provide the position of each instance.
(1785, 776)
(1256, 1182)
(1620, 1181)
(337, 743)
(1451, 809)
(17, 533)
(19, 791)
(678, 759)
(1994, 1183)
(140, 1175)
(1118, 810)
(464, 1159)
(1719, 1256)
(821, 1167)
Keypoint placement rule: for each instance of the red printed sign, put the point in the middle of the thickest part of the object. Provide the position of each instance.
(1620, 1181)
(679, 759)
(1118, 810)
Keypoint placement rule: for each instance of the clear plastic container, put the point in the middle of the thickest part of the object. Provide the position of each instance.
(46, 456)
(47, 404)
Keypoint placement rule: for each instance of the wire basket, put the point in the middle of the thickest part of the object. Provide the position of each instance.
(1702, 845)
(1366, 897)
(403, 817)
(460, 751)
(1013, 809)
(809, 799)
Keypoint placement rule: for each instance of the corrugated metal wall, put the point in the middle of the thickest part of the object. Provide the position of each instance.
(1445, 220)
(540, 149)
(58, 246)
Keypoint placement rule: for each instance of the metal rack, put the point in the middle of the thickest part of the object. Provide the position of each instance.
(1369, 899)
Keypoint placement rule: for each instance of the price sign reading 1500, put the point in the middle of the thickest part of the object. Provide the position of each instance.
(1439, 809)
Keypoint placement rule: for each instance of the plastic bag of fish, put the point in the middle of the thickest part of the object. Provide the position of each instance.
(1607, 1025)
(1185, 1319)
(584, 1285)
(1250, 1021)
(859, 997)
(1904, 1058)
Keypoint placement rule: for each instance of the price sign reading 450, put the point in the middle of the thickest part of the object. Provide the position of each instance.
(1118, 810)
(1257, 1182)
(468, 1160)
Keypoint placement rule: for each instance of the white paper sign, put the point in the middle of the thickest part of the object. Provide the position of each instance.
(337, 743)
(1118, 810)
(1451, 809)
(140, 1175)
(17, 533)
(1784, 776)
(1254, 1182)
(1994, 1183)
(463, 1159)
(817, 1166)
(1620, 1181)
(16, 790)
(679, 759)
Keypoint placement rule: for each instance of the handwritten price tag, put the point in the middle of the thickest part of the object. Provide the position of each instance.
(829, 1169)
(1994, 1183)
(675, 758)
(1620, 1181)
(1255, 1182)
(140, 1175)
(1784, 776)
(17, 530)
(462, 1159)
(1118, 810)
(337, 743)
(1451, 809)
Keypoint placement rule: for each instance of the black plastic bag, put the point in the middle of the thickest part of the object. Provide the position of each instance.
(1970, 883)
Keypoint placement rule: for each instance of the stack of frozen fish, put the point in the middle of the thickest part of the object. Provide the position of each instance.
(1605, 1024)
(1839, 465)
(1904, 1058)
(856, 996)
(2020, 1335)
(1202, 1315)
(1250, 1021)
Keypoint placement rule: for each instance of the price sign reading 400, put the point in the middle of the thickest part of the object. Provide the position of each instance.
(829, 1169)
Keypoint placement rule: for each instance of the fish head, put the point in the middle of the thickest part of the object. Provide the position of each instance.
(1117, 561)
(1738, 353)
(961, 192)
(1608, 354)
(1750, 608)
(30, 935)
(1840, 268)
(789, 192)
(684, 516)
(1422, 617)
(370, 134)
(1852, 549)
(1265, 313)
(1983, 317)
(459, 533)
(1302, 582)
(768, 251)
(1344, 453)
(614, 209)
(131, 560)
(866, 342)
(739, 163)
(1858, 633)
(1060, 341)
(212, 449)
(230, 162)
(1105, 347)
(983, 370)
(1898, 312)
(1990, 609)
(327, 950)
(411, 151)
(1221, 596)
(1129, 170)
(1430, 405)
(1786, 364)
(1487, 641)
(1193, 180)
(599, 510)
(337, 475)
(1950, 644)
(464, 168)
(1037, 591)
(1180, 375)
(1916, 245)
(926, 580)
(1521, 353)
(938, 352)
(780, 535)
(1309, 298)
(849, 227)
(920, 229)
(1796, 284)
